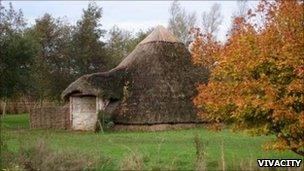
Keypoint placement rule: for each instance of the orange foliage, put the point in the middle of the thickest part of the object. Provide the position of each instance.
(258, 84)
(203, 49)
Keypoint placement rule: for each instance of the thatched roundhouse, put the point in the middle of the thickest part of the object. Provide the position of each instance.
(154, 84)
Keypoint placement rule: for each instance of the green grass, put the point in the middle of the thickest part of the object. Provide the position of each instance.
(166, 149)
(20, 121)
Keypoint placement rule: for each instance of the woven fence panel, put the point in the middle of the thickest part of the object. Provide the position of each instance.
(23, 105)
(55, 117)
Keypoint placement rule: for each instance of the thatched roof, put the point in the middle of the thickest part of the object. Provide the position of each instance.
(160, 34)
(155, 82)
(103, 84)
(85, 84)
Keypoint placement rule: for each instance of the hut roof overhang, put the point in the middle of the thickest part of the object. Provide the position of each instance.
(103, 84)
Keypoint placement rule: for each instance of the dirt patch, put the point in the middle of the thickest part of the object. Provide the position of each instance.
(156, 127)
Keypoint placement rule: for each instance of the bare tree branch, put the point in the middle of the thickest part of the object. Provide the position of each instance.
(212, 20)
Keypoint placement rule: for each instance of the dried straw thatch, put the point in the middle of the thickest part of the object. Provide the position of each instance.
(104, 84)
(155, 83)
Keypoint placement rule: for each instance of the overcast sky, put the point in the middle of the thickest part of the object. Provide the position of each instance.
(129, 15)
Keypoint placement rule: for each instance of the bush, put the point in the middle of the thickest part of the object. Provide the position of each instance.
(104, 121)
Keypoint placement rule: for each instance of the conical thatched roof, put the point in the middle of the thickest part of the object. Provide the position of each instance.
(85, 84)
(160, 34)
(155, 82)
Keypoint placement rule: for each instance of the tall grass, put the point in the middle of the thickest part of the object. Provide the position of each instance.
(223, 162)
(200, 163)
(40, 156)
(193, 149)
(132, 161)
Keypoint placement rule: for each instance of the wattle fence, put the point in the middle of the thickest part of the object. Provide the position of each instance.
(55, 117)
(22, 105)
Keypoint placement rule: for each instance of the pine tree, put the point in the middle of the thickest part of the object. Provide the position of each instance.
(88, 51)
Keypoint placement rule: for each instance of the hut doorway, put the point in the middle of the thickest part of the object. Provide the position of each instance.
(83, 112)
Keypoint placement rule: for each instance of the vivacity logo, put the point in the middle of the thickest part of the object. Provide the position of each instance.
(279, 162)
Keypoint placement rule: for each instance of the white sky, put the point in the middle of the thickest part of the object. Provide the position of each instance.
(129, 15)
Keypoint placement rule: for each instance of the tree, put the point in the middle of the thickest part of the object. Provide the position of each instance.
(117, 44)
(121, 43)
(11, 20)
(259, 80)
(88, 51)
(138, 37)
(180, 22)
(17, 51)
(51, 72)
(212, 20)
(204, 49)
(242, 8)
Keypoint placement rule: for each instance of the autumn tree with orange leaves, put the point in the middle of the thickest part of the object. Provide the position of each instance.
(204, 49)
(258, 82)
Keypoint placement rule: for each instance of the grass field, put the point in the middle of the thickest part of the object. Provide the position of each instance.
(158, 150)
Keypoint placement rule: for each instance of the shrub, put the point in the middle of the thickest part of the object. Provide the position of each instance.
(104, 121)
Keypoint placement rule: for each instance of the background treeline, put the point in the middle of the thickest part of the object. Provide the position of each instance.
(41, 60)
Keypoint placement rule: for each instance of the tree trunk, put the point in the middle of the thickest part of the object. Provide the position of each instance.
(4, 102)
(41, 103)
